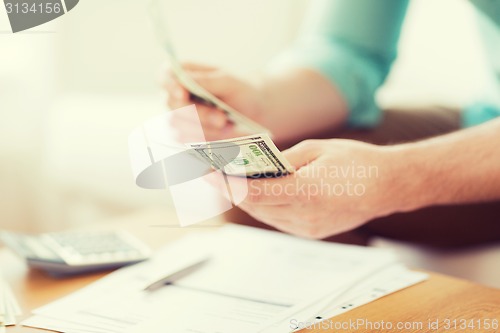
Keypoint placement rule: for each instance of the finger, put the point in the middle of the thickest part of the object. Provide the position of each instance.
(229, 131)
(279, 223)
(170, 80)
(272, 192)
(232, 187)
(177, 95)
(271, 216)
(226, 132)
(174, 104)
(202, 117)
(196, 127)
(281, 212)
(186, 130)
(275, 191)
(187, 133)
(179, 122)
(208, 115)
(303, 153)
(211, 116)
(192, 66)
(217, 83)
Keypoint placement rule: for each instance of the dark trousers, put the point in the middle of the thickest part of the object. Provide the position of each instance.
(439, 226)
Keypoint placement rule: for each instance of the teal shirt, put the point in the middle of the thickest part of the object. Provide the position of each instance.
(354, 43)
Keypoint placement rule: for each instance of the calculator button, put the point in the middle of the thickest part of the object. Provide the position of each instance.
(78, 248)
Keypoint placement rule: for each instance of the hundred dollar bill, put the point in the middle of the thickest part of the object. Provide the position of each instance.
(197, 92)
(250, 156)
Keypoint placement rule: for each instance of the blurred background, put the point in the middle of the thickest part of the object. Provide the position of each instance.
(72, 90)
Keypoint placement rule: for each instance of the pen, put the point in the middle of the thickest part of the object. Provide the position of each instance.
(171, 278)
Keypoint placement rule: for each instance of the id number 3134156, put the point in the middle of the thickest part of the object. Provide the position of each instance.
(35, 8)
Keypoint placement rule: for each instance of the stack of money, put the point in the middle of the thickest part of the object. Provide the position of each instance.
(252, 156)
(9, 307)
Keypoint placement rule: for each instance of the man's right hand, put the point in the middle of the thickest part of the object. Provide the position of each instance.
(237, 93)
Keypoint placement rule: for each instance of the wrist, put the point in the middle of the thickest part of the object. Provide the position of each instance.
(409, 180)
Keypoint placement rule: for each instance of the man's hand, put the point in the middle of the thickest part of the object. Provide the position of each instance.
(239, 94)
(338, 185)
(341, 184)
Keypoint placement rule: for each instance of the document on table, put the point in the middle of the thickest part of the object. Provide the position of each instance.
(9, 307)
(254, 281)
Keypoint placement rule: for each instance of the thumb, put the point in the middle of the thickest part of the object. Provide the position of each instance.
(303, 153)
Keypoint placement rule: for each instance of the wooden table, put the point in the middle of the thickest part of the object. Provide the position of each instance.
(444, 299)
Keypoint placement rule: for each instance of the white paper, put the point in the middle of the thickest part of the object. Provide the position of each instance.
(389, 280)
(9, 308)
(254, 281)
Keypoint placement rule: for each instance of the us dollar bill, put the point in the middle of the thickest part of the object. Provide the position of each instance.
(252, 156)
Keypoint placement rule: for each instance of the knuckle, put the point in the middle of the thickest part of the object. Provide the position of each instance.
(309, 145)
(306, 144)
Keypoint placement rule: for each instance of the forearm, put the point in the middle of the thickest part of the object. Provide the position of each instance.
(341, 56)
(298, 103)
(463, 167)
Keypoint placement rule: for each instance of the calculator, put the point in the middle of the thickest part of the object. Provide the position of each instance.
(75, 252)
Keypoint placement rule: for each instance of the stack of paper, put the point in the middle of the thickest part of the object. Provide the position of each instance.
(9, 308)
(254, 281)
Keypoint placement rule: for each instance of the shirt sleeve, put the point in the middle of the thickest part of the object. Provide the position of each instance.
(353, 43)
(489, 8)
